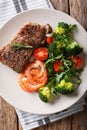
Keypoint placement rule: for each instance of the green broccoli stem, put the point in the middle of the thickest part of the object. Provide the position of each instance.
(50, 83)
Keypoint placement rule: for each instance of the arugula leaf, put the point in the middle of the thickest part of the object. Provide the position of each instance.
(52, 50)
(54, 92)
(49, 66)
(73, 75)
(63, 38)
(59, 76)
(67, 63)
(53, 59)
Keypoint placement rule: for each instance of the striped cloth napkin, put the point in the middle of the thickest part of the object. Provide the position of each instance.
(31, 121)
(9, 8)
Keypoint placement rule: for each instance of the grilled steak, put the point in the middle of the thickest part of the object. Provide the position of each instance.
(32, 35)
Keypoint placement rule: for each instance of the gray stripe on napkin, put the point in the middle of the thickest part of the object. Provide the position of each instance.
(30, 121)
(24, 5)
(17, 6)
(48, 3)
(40, 122)
(47, 120)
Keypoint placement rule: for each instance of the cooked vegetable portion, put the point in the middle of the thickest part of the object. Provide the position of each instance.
(45, 94)
(64, 64)
(64, 28)
(72, 49)
(65, 87)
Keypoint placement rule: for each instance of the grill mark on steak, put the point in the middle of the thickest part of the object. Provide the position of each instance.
(17, 59)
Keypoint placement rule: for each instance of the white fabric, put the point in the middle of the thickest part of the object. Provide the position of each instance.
(8, 10)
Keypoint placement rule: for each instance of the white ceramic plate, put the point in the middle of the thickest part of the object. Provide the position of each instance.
(9, 88)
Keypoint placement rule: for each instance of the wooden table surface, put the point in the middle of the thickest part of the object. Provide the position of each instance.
(8, 117)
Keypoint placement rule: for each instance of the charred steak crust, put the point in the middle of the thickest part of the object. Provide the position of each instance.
(14, 58)
(31, 34)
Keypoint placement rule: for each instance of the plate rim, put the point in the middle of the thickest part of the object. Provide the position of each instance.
(39, 10)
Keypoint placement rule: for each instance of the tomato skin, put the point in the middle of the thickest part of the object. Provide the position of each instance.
(49, 40)
(57, 66)
(78, 61)
(41, 54)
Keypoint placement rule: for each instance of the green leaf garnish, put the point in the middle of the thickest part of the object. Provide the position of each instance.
(20, 46)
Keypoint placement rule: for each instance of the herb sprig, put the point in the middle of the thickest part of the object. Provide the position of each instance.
(21, 46)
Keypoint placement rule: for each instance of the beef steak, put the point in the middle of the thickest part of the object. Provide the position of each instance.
(31, 34)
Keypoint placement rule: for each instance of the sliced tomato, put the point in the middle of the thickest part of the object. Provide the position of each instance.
(41, 54)
(49, 40)
(34, 76)
(78, 61)
(57, 65)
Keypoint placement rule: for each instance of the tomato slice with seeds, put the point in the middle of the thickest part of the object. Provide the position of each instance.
(49, 40)
(78, 61)
(41, 54)
(57, 66)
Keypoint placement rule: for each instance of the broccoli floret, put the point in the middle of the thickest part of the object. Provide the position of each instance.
(65, 87)
(64, 28)
(45, 94)
(73, 49)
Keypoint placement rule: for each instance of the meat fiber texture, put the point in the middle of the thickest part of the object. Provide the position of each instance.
(31, 34)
